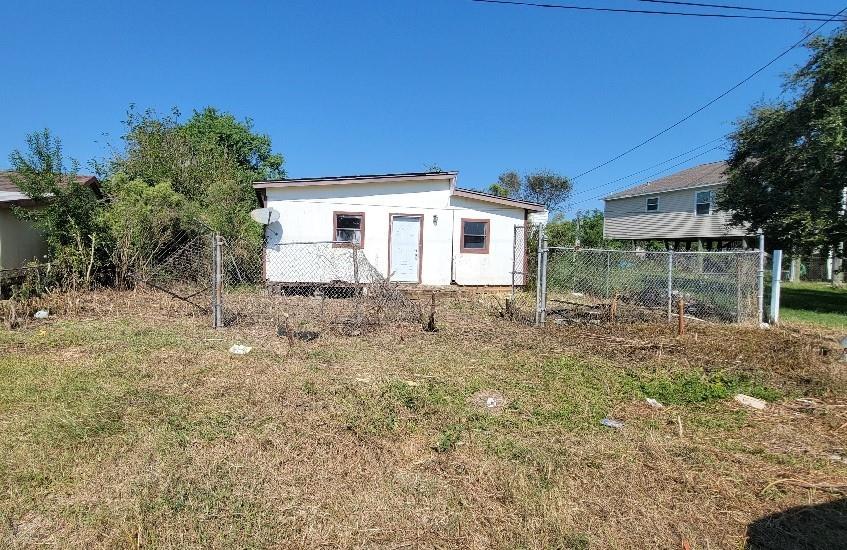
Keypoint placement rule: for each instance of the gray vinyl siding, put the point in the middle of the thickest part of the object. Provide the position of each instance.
(627, 218)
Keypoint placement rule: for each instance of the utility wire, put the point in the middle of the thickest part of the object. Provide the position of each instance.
(733, 7)
(649, 12)
(711, 101)
(648, 179)
(656, 165)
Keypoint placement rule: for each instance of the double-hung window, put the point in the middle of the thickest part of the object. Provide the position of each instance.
(704, 202)
(475, 236)
(652, 204)
(348, 229)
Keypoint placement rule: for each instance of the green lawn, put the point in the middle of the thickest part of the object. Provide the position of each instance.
(814, 303)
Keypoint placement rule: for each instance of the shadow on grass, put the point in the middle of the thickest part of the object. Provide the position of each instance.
(821, 299)
(823, 526)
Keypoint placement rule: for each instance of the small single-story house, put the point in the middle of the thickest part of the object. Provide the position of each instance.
(20, 242)
(679, 209)
(416, 228)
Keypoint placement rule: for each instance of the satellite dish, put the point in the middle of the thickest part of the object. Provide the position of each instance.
(265, 216)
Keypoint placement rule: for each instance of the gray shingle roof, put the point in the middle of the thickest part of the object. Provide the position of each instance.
(696, 176)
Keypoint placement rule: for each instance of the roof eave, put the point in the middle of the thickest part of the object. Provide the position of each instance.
(309, 182)
(641, 194)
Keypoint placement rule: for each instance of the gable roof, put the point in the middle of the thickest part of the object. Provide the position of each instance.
(713, 173)
(410, 176)
(9, 192)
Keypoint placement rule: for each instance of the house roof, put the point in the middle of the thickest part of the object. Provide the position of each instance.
(410, 176)
(363, 178)
(9, 192)
(697, 176)
(497, 199)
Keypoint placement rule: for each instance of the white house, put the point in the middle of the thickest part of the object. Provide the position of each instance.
(416, 228)
(679, 209)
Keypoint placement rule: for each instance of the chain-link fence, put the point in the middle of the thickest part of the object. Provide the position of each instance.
(301, 289)
(583, 284)
(183, 268)
(306, 287)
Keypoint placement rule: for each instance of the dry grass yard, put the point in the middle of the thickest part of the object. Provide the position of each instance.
(125, 425)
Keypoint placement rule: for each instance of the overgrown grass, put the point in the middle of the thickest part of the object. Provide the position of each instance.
(814, 304)
(130, 431)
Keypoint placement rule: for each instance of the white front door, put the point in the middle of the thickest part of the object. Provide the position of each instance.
(405, 248)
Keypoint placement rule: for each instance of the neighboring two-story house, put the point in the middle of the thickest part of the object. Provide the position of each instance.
(679, 209)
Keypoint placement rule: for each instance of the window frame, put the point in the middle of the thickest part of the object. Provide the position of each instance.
(487, 236)
(647, 204)
(347, 244)
(697, 203)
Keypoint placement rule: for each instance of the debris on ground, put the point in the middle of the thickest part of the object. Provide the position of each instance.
(239, 349)
(751, 402)
(302, 335)
(612, 423)
(492, 401)
(41, 314)
(655, 404)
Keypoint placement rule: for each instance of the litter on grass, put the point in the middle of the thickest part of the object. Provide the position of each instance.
(612, 423)
(41, 314)
(655, 404)
(239, 349)
(751, 402)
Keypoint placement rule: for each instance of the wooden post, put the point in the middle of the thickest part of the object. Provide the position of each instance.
(430, 325)
(613, 308)
(681, 306)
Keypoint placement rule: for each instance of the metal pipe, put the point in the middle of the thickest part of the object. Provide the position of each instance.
(761, 281)
(776, 279)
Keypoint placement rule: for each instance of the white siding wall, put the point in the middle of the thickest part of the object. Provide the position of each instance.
(627, 218)
(494, 268)
(306, 215)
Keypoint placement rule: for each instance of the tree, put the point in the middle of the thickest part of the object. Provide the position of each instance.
(211, 160)
(788, 163)
(545, 187)
(67, 213)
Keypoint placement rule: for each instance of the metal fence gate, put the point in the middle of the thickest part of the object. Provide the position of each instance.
(575, 284)
(298, 288)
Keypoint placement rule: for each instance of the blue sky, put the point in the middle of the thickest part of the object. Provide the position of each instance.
(368, 86)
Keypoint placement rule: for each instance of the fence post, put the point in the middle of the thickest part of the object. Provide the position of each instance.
(776, 280)
(217, 281)
(761, 278)
(541, 278)
(738, 298)
(514, 258)
(670, 285)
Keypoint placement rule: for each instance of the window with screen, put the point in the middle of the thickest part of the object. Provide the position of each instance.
(475, 236)
(349, 229)
(704, 202)
(652, 204)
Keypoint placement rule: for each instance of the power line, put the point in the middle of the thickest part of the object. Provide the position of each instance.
(648, 12)
(643, 181)
(733, 7)
(710, 102)
(656, 165)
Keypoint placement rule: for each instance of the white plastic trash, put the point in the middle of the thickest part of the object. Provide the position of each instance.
(41, 314)
(239, 349)
(655, 404)
(612, 423)
(751, 402)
